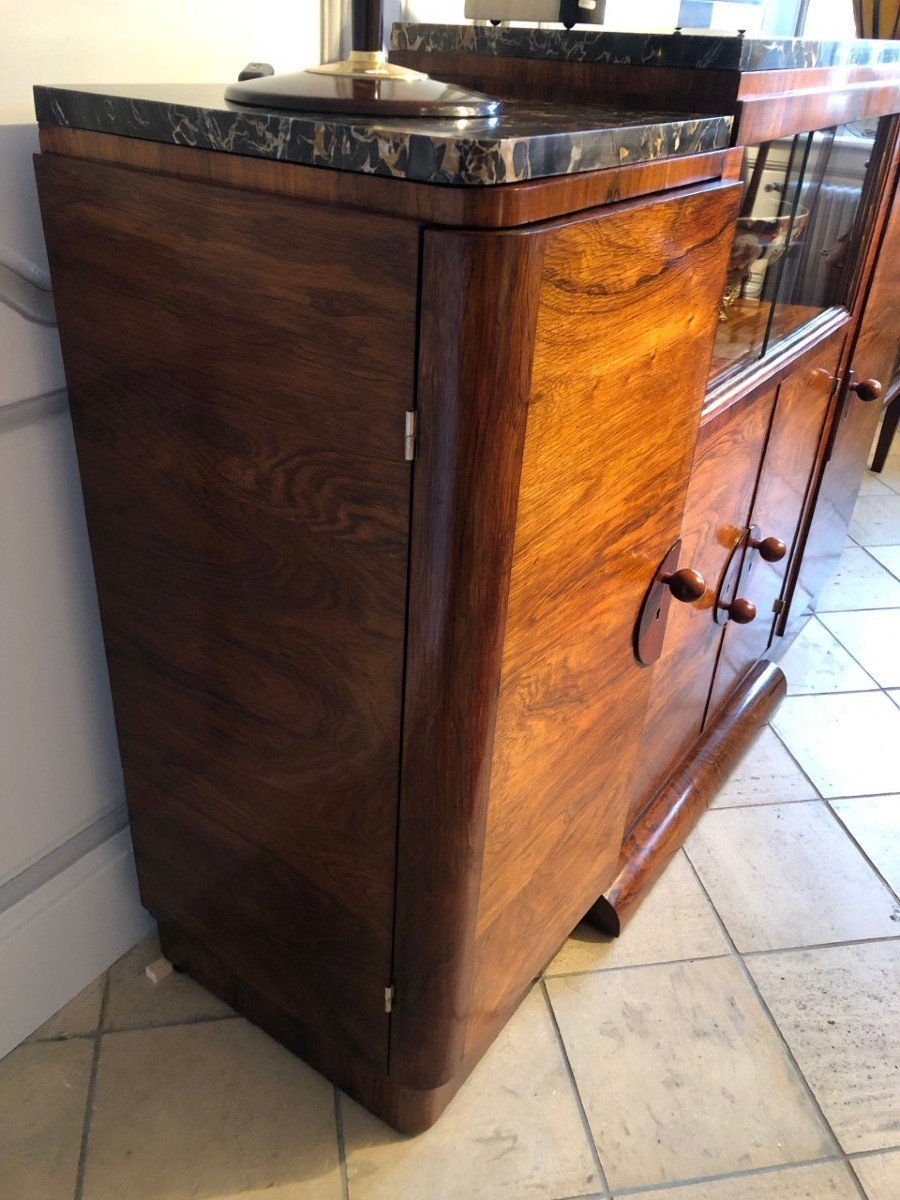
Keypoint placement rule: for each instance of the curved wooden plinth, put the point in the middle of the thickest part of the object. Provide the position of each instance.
(677, 806)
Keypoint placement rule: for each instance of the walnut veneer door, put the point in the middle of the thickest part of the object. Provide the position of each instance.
(875, 356)
(587, 344)
(723, 481)
(801, 407)
(239, 366)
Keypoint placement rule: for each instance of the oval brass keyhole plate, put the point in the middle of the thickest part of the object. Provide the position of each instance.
(650, 630)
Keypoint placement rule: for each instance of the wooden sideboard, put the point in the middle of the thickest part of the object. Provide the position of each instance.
(378, 480)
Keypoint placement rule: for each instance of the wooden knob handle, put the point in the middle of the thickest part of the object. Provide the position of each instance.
(867, 389)
(772, 549)
(686, 585)
(741, 611)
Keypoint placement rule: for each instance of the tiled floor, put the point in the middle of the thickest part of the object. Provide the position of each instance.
(741, 1041)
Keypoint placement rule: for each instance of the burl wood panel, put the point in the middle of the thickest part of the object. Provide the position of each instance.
(723, 481)
(686, 794)
(876, 355)
(631, 297)
(239, 367)
(798, 425)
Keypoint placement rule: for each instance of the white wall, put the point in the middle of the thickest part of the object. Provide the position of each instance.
(68, 897)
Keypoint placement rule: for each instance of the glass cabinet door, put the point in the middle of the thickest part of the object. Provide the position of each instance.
(797, 238)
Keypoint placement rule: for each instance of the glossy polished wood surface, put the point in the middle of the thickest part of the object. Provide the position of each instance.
(685, 795)
(477, 207)
(238, 403)
(587, 544)
(723, 482)
(480, 295)
(798, 427)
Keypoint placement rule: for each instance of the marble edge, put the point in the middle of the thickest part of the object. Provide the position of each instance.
(370, 148)
(697, 50)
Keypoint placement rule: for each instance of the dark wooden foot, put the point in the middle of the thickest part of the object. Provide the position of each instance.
(676, 807)
(888, 428)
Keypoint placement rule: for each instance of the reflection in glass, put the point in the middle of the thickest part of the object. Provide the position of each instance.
(796, 239)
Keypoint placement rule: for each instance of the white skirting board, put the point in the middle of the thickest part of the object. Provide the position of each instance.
(62, 935)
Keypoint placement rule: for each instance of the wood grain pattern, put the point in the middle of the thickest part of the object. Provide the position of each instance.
(685, 795)
(798, 428)
(761, 118)
(479, 305)
(476, 207)
(723, 481)
(238, 403)
(572, 696)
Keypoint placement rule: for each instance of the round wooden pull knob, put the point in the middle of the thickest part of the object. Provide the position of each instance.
(867, 389)
(686, 585)
(741, 611)
(771, 549)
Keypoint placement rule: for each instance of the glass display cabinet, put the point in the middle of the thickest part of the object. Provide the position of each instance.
(803, 217)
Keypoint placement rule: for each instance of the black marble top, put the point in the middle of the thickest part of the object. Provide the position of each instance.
(528, 141)
(695, 48)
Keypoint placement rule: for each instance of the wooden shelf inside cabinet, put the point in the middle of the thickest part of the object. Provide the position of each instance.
(739, 338)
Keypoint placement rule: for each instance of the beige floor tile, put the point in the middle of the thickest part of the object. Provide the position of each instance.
(860, 582)
(889, 557)
(875, 823)
(872, 485)
(512, 1133)
(876, 521)
(215, 1109)
(839, 1009)
(43, 1092)
(846, 744)
(674, 922)
(787, 875)
(873, 638)
(823, 1181)
(880, 1175)
(890, 475)
(134, 1000)
(681, 1074)
(80, 1015)
(817, 662)
(765, 775)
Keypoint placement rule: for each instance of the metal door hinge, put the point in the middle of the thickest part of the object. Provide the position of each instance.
(389, 998)
(777, 606)
(409, 440)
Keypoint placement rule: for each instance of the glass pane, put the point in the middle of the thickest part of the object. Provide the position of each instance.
(796, 239)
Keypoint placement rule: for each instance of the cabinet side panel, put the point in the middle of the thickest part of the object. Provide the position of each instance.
(629, 303)
(239, 368)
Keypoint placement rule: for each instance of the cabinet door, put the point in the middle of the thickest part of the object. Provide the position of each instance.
(723, 480)
(801, 406)
(876, 356)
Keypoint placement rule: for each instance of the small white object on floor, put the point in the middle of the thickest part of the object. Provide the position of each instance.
(158, 970)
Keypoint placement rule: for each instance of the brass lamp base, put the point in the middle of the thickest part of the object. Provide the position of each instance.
(365, 84)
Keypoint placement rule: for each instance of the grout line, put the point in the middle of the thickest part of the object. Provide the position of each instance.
(820, 946)
(341, 1142)
(579, 1103)
(793, 757)
(74, 1037)
(665, 962)
(871, 1153)
(92, 1088)
(749, 1173)
(850, 834)
(811, 1096)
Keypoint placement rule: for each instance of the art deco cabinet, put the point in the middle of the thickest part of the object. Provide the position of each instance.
(444, 535)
